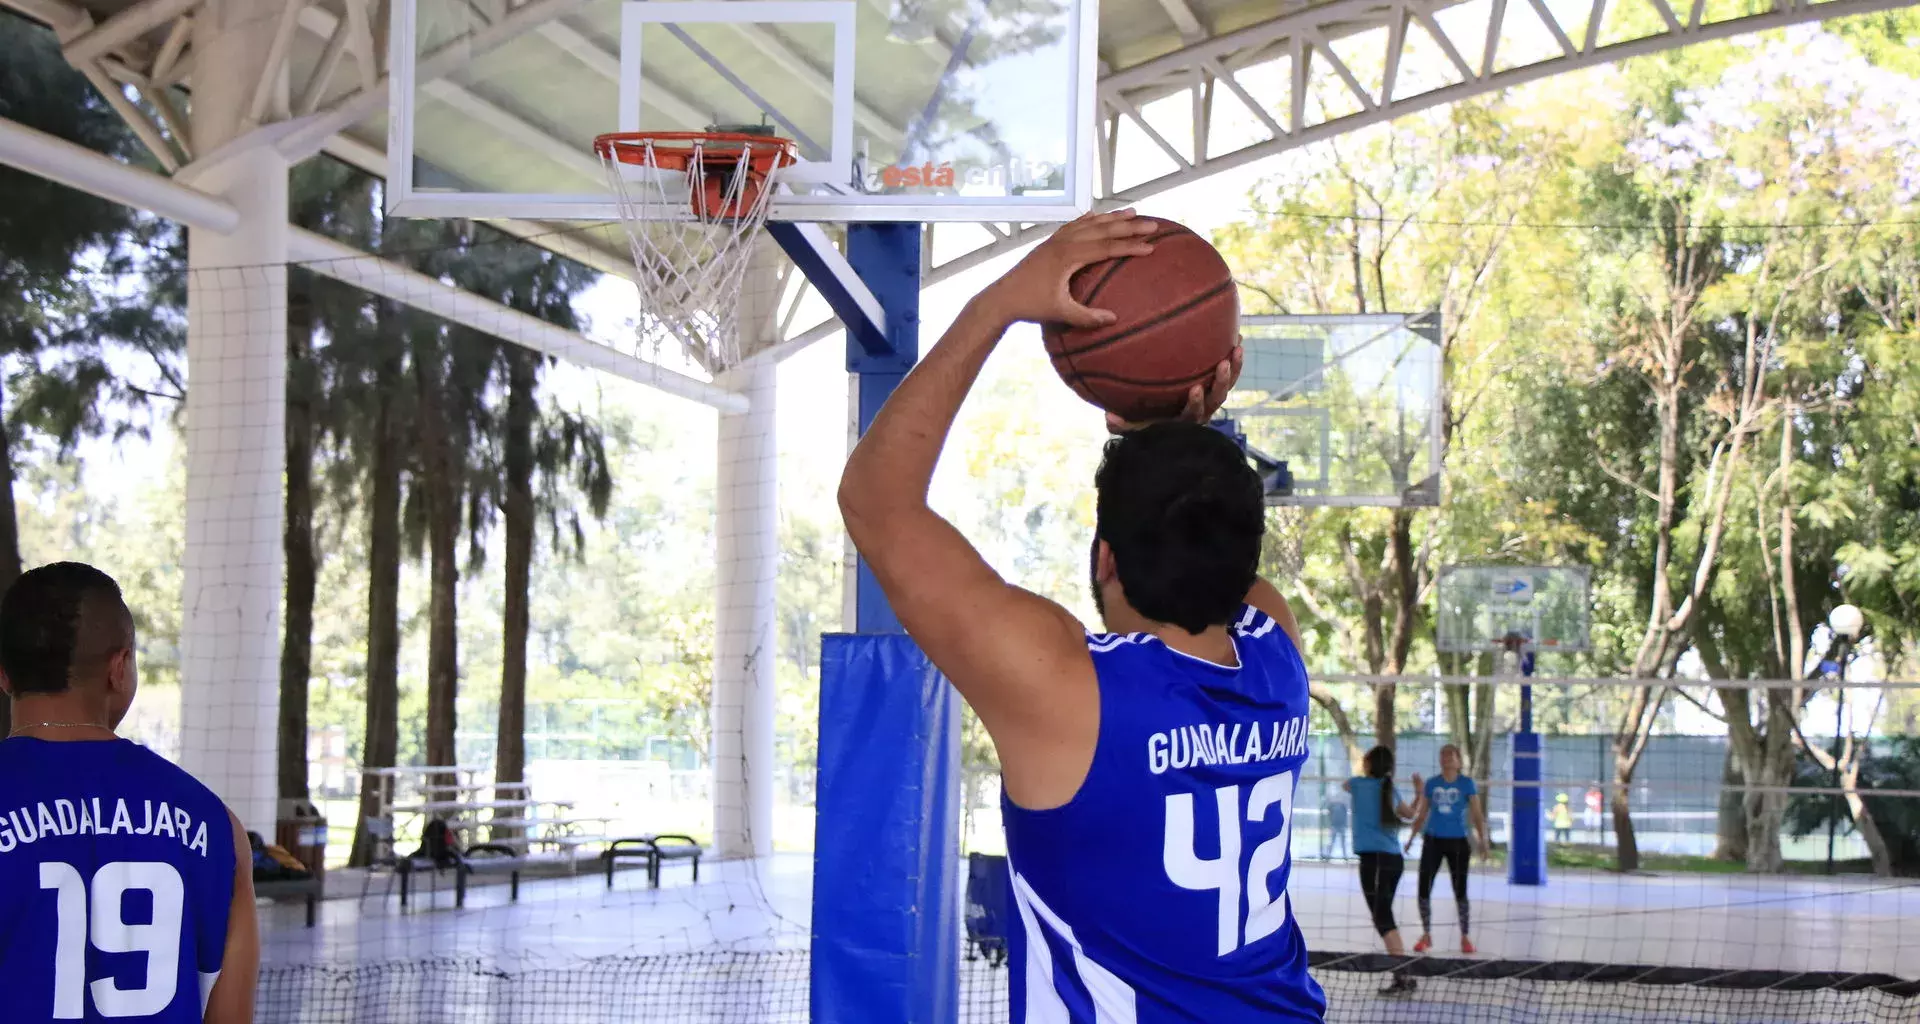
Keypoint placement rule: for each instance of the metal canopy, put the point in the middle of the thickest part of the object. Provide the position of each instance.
(1187, 88)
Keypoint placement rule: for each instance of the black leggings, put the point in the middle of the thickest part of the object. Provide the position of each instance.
(1433, 850)
(1379, 877)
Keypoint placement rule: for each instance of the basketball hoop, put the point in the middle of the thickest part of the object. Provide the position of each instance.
(693, 204)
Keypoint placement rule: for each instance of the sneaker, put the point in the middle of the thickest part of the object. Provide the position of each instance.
(1401, 985)
(1425, 943)
(1466, 946)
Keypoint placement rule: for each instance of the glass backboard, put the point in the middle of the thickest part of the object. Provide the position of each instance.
(1350, 404)
(918, 110)
(1494, 607)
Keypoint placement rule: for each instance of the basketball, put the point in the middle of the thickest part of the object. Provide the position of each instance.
(1178, 317)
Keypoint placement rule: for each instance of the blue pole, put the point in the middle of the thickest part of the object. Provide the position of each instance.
(886, 926)
(1526, 839)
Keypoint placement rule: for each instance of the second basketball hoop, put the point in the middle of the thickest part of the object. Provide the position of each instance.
(693, 204)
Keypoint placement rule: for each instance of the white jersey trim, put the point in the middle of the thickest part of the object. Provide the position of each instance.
(1113, 999)
(207, 981)
(1100, 643)
(1255, 623)
(1044, 1005)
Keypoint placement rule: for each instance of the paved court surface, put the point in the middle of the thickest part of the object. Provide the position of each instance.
(1850, 923)
(733, 949)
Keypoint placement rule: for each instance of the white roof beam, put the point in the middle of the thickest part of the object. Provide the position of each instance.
(819, 81)
(1185, 20)
(56, 159)
(659, 95)
(323, 255)
(563, 240)
(124, 27)
(312, 136)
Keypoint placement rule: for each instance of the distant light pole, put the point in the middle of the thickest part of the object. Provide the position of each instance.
(1846, 622)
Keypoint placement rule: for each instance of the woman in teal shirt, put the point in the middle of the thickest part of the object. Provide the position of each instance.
(1378, 813)
(1450, 809)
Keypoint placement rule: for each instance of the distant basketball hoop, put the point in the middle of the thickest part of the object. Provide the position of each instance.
(693, 204)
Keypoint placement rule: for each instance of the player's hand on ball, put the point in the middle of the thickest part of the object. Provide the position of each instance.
(1202, 402)
(1037, 287)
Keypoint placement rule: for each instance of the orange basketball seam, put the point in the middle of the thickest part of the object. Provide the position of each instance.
(1179, 310)
(1142, 382)
(1120, 261)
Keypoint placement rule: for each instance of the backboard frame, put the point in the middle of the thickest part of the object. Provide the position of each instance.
(1312, 481)
(405, 199)
(1485, 582)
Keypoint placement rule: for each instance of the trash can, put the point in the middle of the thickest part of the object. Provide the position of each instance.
(302, 832)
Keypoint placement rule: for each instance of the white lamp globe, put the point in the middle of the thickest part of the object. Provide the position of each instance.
(1847, 622)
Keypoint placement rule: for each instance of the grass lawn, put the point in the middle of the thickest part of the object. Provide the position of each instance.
(1601, 858)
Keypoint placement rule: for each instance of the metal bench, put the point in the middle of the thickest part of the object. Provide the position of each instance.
(656, 850)
(485, 858)
(309, 888)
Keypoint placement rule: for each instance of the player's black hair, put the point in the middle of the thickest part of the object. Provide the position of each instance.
(1378, 764)
(56, 618)
(1184, 514)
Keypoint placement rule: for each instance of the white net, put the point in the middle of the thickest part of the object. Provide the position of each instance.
(1286, 551)
(693, 206)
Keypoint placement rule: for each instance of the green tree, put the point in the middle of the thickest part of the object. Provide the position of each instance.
(62, 255)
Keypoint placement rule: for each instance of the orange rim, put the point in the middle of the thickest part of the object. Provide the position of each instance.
(677, 151)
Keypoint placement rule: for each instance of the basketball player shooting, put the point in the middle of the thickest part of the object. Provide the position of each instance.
(126, 887)
(1148, 771)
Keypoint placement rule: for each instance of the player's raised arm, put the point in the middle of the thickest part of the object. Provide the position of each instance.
(231, 1001)
(1009, 652)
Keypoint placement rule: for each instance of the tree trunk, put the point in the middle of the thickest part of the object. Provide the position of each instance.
(1386, 727)
(1341, 723)
(1481, 752)
(296, 646)
(1406, 587)
(443, 539)
(1629, 743)
(1730, 830)
(1630, 738)
(1766, 754)
(381, 743)
(1625, 844)
(1853, 756)
(510, 753)
(9, 538)
(1863, 822)
(1766, 810)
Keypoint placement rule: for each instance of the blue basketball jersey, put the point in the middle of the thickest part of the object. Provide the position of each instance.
(1158, 894)
(116, 881)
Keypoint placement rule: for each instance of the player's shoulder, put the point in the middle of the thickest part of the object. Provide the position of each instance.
(1255, 624)
(149, 765)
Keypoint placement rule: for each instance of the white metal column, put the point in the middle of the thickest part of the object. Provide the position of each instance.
(236, 414)
(746, 528)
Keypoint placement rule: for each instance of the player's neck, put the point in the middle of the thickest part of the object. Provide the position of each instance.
(1214, 645)
(61, 718)
(1450, 775)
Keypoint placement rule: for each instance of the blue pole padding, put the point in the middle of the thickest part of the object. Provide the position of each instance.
(886, 879)
(887, 258)
(886, 872)
(1526, 839)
